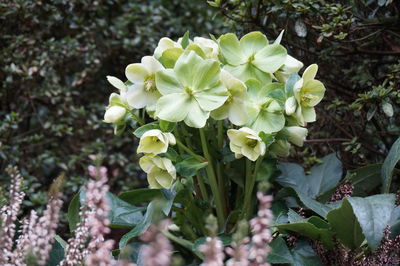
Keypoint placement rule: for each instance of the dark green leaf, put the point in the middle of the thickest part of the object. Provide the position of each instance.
(304, 255)
(166, 126)
(389, 164)
(346, 226)
(280, 253)
(373, 213)
(141, 130)
(185, 40)
(140, 195)
(190, 166)
(56, 254)
(73, 212)
(123, 214)
(365, 179)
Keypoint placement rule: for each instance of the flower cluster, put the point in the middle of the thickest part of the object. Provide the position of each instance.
(251, 85)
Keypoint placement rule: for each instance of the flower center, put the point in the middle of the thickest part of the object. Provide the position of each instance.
(189, 91)
(230, 99)
(251, 143)
(251, 59)
(307, 98)
(155, 139)
(149, 83)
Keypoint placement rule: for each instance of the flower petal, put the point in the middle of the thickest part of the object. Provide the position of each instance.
(270, 58)
(238, 113)
(212, 98)
(167, 83)
(231, 50)
(316, 89)
(248, 71)
(136, 73)
(196, 116)
(310, 72)
(151, 64)
(146, 163)
(309, 114)
(164, 179)
(138, 97)
(253, 42)
(268, 122)
(173, 107)
(117, 83)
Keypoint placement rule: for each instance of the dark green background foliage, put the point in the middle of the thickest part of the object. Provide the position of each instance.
(356, 44)
(55, 56)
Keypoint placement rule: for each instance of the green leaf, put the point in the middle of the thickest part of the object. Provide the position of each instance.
(61, 241)
(123, 214)
(190, 166)
(314, 205)
(365, 179)
(73, 212)
(304, 255)
(280, 253)
(389, 165)
(140, 228)
(141, 130)
(185, 40)
(313, 227)
(140, 195)
(373, 213)
(323, 177)
(56, 254)
(170, 56)
(294, 216)
(346, 226)
(166, 126)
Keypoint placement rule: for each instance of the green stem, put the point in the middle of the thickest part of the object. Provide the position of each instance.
(221, 178)
(138, 119)
(186, 149)
(248, 190)
(212, 179)
(202, 186)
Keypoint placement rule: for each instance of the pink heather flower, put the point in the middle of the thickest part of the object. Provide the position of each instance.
(213, 251)
(260, 231)
(239, 253)
(9, 215)
(158, 250)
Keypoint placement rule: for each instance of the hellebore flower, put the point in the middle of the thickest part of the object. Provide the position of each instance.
(252, 56)
(116, 109)
(235, 107)
(143, 91)
(308, 93)
(155, 141)
(191, 90)
(160, 171)
(265, 112)
(119, 84)
(209, 47)
(280, 148)
(246, 142)
(291, 65)
(114, 114)
(295, 135)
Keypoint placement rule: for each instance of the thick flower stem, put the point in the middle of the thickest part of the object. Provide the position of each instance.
(248, 190)
(189, 151)
(220, 174)
(212, 180)
(137, 118)
(202, 186)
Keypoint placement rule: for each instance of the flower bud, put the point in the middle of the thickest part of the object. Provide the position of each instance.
(246, 142)
(295, 135)
(114, 114)
(280, 148)
(290, 105)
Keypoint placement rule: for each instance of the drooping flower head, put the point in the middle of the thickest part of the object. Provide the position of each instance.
(246, 142)
(155, 141)
(191, 90)
(160, 171)
(252, 56)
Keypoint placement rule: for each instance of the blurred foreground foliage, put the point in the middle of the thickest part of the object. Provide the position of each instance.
(356, 44)
(55, 56)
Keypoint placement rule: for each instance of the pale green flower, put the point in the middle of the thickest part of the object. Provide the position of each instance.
(252, 56)
(119, 84)
(165, 44)
(235, 107)
(155, 141)
(209, 47)
(246, 142)
(308, 93)
(280, 148)
(266, 114)
(161, 173)
(291, 65)
(114, 114)
(191, 90)
(295, 135)
(143, 92)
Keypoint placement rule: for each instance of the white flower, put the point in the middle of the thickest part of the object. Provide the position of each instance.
(164, 44)
(280, 148)
(143, 91)
(291, 65)
(114, 114)
(209, 47)
(246, 142)
(161, 173)
(290, 105)
(235, 107)
(295, 135)
(155, 142)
